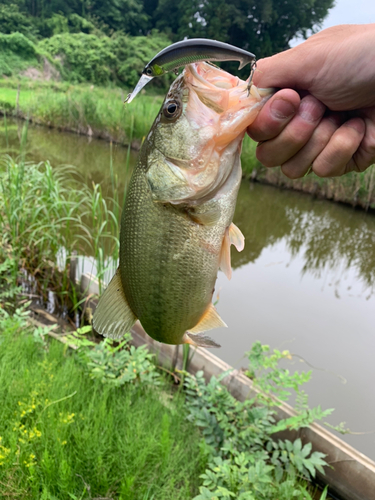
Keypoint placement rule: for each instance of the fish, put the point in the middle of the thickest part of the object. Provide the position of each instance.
(177, 221)
(189, 51)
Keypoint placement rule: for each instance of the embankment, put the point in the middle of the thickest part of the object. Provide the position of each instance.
(99, 112)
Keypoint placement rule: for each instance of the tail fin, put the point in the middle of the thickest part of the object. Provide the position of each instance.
(199, 340)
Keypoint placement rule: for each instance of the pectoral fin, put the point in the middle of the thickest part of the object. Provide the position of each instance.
(207, 218)
(233, 236)
(113, 316)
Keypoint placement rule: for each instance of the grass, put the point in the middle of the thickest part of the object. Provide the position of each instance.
(64, 435)
(84, 109)
(47, 214)
(99, 111)
(81, 425)
(357, 189)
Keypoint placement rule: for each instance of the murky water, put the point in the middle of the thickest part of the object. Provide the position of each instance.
(305, 281)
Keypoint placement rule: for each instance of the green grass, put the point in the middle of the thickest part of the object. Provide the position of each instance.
(45, 215)
(65, 436)
(100, 111)
(83, 109)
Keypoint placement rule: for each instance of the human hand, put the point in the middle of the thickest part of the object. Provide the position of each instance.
(324, 116)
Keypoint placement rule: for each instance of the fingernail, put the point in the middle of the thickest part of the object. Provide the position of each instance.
(357, 124)
(311, 110)
(282, 109)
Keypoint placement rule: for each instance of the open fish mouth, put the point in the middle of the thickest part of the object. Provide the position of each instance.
(215, 110)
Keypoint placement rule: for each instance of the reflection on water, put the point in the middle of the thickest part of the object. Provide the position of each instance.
(92, 157)
(304, 282)
(327, 237)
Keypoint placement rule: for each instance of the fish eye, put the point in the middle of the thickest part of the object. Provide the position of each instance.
(171, 109)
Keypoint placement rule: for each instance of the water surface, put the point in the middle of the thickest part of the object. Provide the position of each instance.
(305, 281)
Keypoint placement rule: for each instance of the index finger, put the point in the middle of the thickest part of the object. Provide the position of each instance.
(275, 115)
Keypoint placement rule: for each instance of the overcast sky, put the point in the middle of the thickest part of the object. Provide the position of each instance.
(348, 12)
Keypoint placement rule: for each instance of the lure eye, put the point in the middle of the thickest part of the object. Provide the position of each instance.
(149, 71)
(172, 109)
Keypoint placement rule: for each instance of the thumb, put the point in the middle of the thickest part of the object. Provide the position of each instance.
(284, 70)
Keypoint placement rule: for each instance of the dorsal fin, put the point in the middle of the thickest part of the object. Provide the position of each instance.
(209, 320)
(113, 316)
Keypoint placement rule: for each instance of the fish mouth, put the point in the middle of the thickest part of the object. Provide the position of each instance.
(221, 101)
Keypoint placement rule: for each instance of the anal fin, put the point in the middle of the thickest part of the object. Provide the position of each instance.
(232, 236)
(113, 316)
(209, 320)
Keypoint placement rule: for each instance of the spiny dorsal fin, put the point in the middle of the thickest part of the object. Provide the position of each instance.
(113, 316)
(199, 340)
(209, 320)
(232, 236)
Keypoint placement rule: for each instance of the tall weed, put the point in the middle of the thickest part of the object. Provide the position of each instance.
(47, 214)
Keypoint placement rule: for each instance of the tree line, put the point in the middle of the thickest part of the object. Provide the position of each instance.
(260, 26)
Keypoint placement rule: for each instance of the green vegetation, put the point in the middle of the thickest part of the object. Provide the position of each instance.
(102, 421)
(80, 57)
(17, 53)
(89, 110)
(64, 434)
(101, 60)
(247, 462)
(35, 237)
(251, 24)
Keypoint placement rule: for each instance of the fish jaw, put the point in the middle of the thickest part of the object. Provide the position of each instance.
(216, 109)
(229, 107)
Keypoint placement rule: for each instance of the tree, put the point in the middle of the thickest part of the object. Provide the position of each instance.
(120, 15)
(260, 26)
(12, 20)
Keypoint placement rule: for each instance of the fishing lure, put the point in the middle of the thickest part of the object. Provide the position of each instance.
(189, 51)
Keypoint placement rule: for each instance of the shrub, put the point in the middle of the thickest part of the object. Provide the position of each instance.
(100, 60)
(12, 20)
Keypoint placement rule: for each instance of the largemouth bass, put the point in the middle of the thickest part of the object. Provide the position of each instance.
(176, 227)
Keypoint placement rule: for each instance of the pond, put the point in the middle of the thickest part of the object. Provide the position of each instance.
(305, 281)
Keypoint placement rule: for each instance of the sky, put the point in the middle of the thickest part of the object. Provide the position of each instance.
(347, 12)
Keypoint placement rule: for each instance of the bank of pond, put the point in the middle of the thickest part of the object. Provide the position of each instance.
(83, 419)
(100, 112)
(305, 279)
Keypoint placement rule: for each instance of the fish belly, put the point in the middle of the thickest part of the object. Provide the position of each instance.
(168, 262)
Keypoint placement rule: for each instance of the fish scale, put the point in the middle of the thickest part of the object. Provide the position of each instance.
(176, 226)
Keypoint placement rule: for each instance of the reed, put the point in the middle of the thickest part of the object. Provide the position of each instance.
(46, 216)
